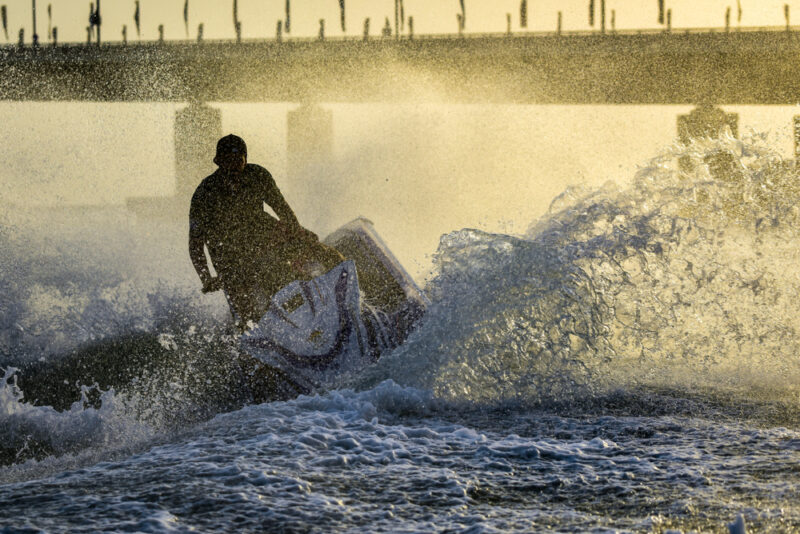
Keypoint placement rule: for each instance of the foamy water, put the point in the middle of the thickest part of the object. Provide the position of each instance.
(629, 364)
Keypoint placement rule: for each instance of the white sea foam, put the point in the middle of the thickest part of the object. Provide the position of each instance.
(394, 458)
(31, 431)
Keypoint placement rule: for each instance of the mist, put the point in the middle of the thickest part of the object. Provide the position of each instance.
(417, 171)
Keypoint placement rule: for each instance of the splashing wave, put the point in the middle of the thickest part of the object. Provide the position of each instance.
(684, 280)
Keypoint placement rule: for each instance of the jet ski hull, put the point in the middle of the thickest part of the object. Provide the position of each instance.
(323, 330)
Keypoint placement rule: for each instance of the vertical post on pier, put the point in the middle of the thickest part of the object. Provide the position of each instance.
(508, 24)
(738, 15)
(236, 27)
(728, 20)
(669, 20)
(4, 16)
(397, 19)
(410, 28)
(279, 32)
(366, 29)
(560, 23)
(602, 17)
(98, 20)
(614, 21)
(786, 15)
(137, 21)
(124, 35)
(35, 35)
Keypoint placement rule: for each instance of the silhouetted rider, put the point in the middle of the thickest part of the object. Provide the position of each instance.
(253, 253)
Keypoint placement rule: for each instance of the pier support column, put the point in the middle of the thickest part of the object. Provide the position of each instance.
(198, 127)
(706, 120)
(310, 158)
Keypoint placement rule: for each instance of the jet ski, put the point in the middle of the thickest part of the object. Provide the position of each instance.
(320, 331)
(313, 335)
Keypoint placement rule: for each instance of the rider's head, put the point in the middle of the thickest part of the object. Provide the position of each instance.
(231, 153)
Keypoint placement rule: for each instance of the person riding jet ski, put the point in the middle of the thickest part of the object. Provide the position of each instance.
(253, 253)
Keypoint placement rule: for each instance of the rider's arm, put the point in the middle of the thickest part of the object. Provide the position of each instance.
(197, 241)
(275, 200)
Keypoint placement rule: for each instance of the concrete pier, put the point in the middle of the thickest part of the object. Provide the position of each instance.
(753, 67)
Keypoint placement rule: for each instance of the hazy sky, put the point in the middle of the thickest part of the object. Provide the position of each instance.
(259, 17)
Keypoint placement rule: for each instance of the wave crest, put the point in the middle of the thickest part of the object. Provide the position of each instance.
(685, 279)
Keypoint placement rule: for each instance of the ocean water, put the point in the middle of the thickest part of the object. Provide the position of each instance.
(630, 364)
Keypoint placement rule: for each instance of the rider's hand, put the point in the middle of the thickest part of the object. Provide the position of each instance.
(211, 285)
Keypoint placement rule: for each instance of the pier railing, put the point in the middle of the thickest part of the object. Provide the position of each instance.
(287, 39)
